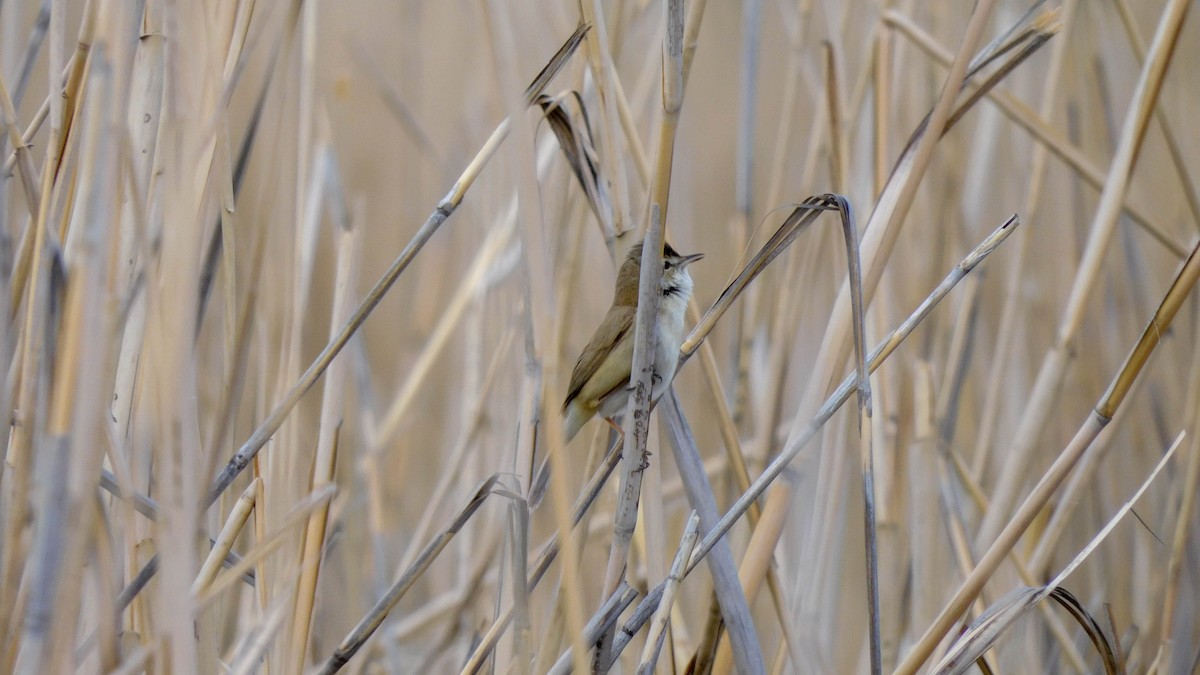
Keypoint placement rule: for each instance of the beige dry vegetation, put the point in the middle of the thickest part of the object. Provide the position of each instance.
(295, 251)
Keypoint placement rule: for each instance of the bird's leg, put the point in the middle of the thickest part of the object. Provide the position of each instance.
(616, 427)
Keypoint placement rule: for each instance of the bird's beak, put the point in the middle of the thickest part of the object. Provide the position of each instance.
(686, 260)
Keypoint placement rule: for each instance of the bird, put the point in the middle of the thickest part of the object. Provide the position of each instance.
(600, 381)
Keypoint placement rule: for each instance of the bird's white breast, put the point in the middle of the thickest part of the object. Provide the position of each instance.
(671, 310)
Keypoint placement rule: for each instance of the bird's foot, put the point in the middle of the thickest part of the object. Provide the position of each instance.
(645, 462)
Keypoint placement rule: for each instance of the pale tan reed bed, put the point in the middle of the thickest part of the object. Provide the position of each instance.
(292, 293)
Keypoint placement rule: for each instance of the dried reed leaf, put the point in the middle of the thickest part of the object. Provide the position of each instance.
(578, 146)
(989, 627)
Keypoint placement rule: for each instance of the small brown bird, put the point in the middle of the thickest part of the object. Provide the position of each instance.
(600, 381)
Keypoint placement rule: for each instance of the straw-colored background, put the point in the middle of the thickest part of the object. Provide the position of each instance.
(370, 112)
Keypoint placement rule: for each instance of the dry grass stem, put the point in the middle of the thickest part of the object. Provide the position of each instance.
(658, 626)
(267, 413)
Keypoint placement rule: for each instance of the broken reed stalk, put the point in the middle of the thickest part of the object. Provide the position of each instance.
(866, 454)
(792, 227)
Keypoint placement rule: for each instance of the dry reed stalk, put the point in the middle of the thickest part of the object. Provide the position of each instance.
(842, 393)
(1166, 657)
(673, 83)
(31, 373)
(24, 163)
(980, 636)
(1099, 236)
(838, 160)
(215, 279)
(756, 566)
(602, 621)
(453, 312)
(729, 602)
(1038, 128)
(522, 632)
(1174, 150)
(637, 417)
(1006, 336)
(549, 552)
(940, 454)
(1066, 460)
(647, 310)
(651, 539)
(332, 405)
(440, 214)
(716, 535)
(658, 626)
(75, 392)
(737, 466)
(238, 516)
(268, 543)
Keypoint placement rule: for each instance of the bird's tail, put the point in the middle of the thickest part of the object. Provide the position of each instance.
(576, 416)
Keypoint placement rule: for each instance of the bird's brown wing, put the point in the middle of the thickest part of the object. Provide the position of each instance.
(616, 325)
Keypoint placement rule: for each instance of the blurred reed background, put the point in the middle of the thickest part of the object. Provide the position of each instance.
(197, 196)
